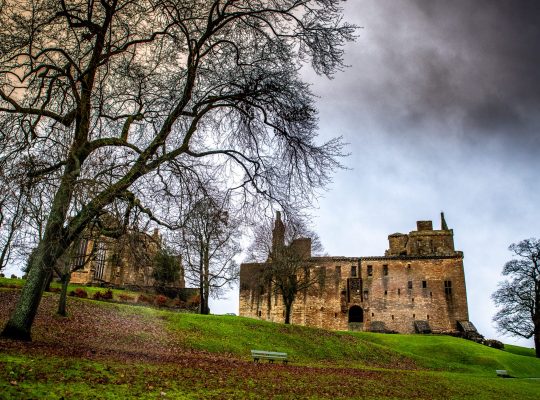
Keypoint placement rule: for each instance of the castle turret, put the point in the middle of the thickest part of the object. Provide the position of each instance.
(278, 234)
(424, 241)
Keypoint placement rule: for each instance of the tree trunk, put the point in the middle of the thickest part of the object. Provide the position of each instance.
(49, 250)
(47, 286)
(63, 295)
(288, 308)
(21, 320)
(537, 339)
(206, 283)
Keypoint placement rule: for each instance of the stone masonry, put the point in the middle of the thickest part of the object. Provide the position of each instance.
(417, 286)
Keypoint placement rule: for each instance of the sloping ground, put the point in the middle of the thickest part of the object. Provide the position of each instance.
(107, 350)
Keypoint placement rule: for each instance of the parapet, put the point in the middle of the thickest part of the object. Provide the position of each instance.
(425, 241)
(424, 225)
(301, 247)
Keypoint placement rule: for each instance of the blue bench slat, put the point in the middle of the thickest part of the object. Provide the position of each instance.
(268, 355)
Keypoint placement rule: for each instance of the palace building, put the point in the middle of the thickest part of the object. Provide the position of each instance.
(417, 286)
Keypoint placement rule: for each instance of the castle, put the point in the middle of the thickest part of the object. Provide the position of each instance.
(126, 261)
(417, 286)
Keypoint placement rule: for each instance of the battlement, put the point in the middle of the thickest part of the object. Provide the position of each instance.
(425, 241)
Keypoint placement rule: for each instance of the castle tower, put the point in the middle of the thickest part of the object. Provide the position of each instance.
(278, 234)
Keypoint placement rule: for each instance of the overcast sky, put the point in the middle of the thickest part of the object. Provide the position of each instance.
(440, 107)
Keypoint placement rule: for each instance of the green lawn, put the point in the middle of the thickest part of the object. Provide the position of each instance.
(90, 290)
(116, 351)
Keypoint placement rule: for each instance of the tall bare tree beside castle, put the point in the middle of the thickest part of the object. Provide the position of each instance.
(519, 297)
(115, 99)
(209, 244)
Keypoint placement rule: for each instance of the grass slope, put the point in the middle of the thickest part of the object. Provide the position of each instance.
(105, 350)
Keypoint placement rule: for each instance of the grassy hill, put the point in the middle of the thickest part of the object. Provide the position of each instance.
(107, 350)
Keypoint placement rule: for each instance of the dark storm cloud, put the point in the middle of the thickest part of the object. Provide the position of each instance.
(476, 63)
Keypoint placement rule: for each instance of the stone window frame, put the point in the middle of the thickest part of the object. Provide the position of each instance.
(370, 270)
(79, 259)
(448, 288)
(385, 269)
(100, 260)
(354, 272)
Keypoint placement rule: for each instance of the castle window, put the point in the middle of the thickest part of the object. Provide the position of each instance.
(385, 292)
(370, 270)
(409, 285)
(412, 299)
(77, 262)
(424, 284)
(430, 294)
(366, 294)
(338, 270)
(428, 317)
(385, 270)
(414, 316)
(372, 314)
(399, 292)
(353, 271)
(392, 317)
(100, 261)
(335, 315)
(448, 288)
(260, 313)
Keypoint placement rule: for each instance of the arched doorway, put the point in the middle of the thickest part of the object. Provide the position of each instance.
(356, 314)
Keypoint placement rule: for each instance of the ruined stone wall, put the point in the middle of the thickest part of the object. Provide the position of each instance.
(420, 278)
(395, 291)
(124, 261)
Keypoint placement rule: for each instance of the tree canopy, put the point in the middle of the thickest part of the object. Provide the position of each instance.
(125, 106)
(519, 295)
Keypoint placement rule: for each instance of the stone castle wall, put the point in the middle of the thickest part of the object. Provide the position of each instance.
(420, 279)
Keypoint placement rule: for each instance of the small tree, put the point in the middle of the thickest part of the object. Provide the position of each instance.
(519, 296)
(209, 245)
(166, 268)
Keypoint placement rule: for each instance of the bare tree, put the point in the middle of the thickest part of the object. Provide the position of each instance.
(287, 249)
(519, 297)
(112, 100)
(210, 243)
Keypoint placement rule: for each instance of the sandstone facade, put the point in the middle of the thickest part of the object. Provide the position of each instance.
(123, 262)
(417, 286)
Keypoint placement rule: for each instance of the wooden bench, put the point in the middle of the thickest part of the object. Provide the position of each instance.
(502, 373)
(268, 355)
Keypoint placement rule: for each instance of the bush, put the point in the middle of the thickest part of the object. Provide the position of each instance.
(161, 300)
(108, 295)
(494, 343)
(194, 301)
(2, 275)
(143, 298)
(79, 292)
(13, 276)
(179, 304)
(126, 297)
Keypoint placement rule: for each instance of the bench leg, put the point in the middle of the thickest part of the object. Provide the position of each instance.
(255, 360)
(285, 362)
(271, 361)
